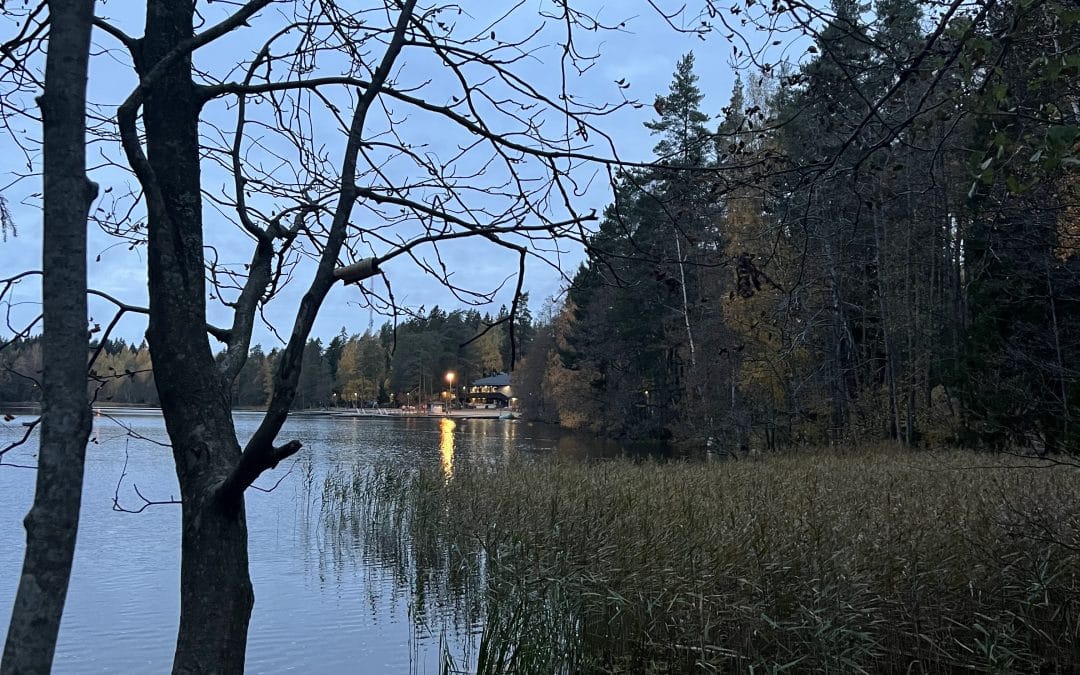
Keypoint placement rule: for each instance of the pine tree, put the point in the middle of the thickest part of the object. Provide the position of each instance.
(634, 306)
(684, 136)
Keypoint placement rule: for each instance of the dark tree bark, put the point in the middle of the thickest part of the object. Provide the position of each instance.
(216, 595)
(215, 589)
(52, 524)
(194, 387)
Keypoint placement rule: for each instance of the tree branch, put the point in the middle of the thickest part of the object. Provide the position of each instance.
(260, 454)
(129, 42)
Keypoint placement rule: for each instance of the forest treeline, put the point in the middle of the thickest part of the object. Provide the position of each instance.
(841, 254)
(844, 254)
(402, 365)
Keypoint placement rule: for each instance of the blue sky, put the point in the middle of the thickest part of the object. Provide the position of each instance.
(643, 54)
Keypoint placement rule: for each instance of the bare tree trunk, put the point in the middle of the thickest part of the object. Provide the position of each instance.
(914, 324)
(216, 595)
(884, 302)
(1059, 362)
(53, 521)
(685, 301)
(835, 353)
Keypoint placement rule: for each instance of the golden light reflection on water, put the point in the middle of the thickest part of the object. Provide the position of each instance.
(446, 445)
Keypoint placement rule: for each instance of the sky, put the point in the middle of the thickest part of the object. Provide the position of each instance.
(642, 54)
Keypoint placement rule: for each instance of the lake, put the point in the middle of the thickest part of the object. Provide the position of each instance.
(318, 608)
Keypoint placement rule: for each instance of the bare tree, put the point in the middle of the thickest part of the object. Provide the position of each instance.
(329, 165)
(52, 524)
(320, 168)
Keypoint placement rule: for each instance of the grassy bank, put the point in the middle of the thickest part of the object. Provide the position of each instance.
(875, 562)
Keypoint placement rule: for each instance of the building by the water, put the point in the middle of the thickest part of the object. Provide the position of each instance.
(493, 391)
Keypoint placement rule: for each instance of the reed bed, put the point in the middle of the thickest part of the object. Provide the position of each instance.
(862, 562)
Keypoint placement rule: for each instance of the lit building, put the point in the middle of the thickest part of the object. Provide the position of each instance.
(491, 392)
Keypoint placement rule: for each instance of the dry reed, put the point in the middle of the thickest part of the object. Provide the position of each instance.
(861, 562)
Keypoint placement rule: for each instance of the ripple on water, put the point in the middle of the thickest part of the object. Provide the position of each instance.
(321, 606)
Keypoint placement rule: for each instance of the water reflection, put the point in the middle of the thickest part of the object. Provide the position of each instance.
(328, 585)
(446, 446)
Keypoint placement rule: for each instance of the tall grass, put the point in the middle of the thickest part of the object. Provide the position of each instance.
(874, 562)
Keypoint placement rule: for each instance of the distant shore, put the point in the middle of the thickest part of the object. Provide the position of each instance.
(461, 413)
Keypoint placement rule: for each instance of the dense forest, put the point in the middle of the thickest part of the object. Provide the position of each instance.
(823, 262)
(840, 255)
(403, 363)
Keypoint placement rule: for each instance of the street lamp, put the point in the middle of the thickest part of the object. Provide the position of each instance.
(450, 383)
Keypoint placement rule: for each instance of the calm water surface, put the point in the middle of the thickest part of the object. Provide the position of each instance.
(317, 608)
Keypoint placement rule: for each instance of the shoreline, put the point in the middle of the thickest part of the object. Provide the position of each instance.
(397, 413)
(379, 413)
